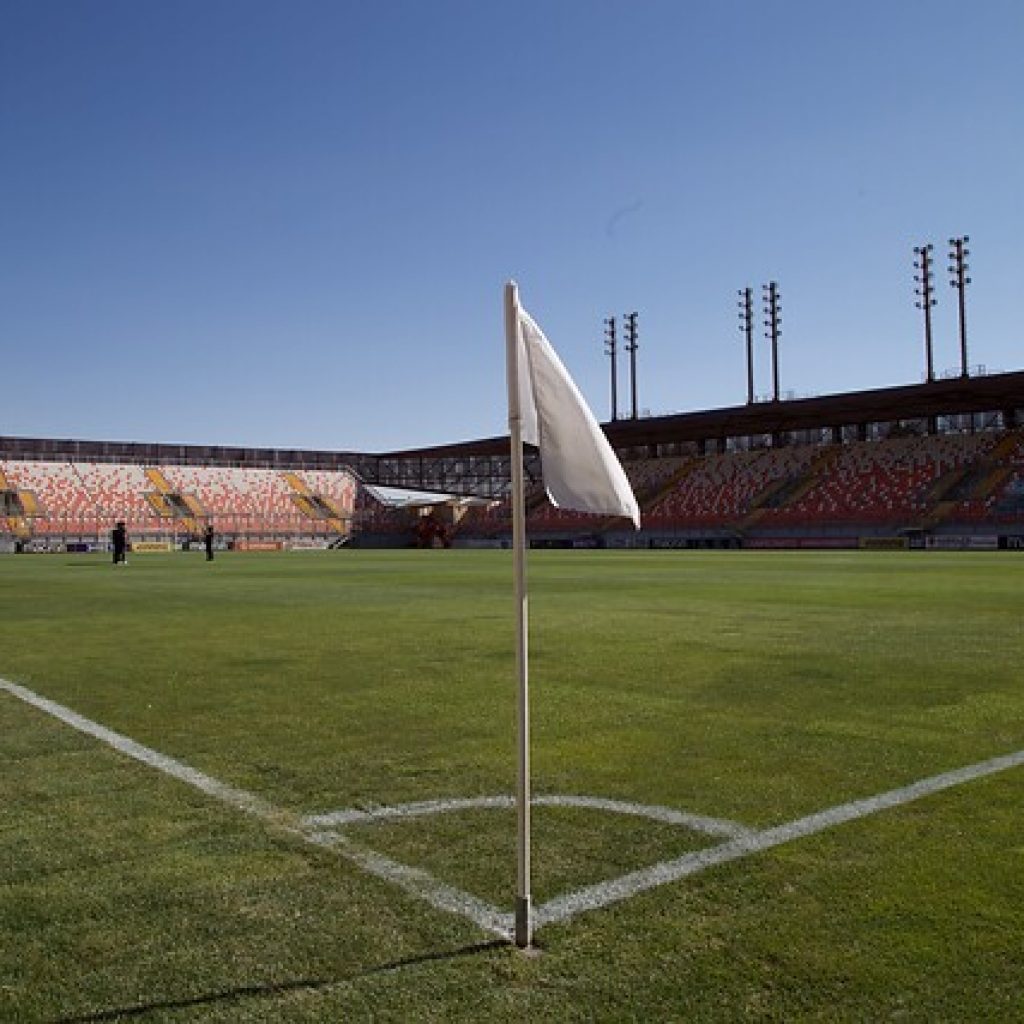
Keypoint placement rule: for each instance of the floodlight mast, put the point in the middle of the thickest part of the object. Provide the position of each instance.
(958, 253)
(772, 320)
(610, 350)
(746, 305)
(629, 320)
(925, 300)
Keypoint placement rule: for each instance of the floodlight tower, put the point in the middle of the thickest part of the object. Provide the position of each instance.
(610, 349)
(772, 319)
(958, 253)
(746, 305)
(925, 299)
(631, 347)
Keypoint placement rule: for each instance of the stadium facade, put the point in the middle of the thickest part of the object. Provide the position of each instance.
(934, 464)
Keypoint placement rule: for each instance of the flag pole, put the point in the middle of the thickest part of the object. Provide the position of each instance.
(523, 922)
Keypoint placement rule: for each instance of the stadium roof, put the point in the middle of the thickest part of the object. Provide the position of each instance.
(947, 397)
(481, 468)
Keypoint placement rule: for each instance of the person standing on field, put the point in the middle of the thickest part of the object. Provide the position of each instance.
(119, 537)
(208, 541)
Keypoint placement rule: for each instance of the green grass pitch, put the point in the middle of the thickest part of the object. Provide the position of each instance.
(752, 687)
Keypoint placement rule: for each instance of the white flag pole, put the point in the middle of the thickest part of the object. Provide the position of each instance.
(524, 925)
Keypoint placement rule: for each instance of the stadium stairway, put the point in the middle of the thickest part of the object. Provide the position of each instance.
(17, 506)
(19, 527)
(999, 462)
(186, 509)
(192, 503)
(303, 503)
(159, 481)
(665, 487)
(991, 482)
(938, 514)
(160, 505)
(788, 490)
(29, 503)
(972, 483)
(297, 484)
(317, 507)
(951, 483)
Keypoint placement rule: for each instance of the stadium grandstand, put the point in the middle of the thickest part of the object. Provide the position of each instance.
(938, 464)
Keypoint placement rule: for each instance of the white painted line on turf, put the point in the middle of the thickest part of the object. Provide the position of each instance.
(697, 822)
(561, 909)
(384, 812)
(238, 798)
(594, 897)
(420, 883)
(411, 880)
(370, 815)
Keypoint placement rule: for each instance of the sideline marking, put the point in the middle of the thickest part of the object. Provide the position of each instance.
(411, 880)
(238, 798)
(417, 882)
(562, 908)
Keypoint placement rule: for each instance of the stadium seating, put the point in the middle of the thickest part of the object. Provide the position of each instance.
(84, 499)
(899, 482)
(64, 506)
(721, 489)
(648, 477)
(890, 481)
(117, 491)
(995, 495)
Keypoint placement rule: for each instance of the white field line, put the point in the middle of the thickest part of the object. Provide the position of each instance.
(697, 822)
(563, 908)
(419, 883)
(411, 880)
(443, 897)
(384, 812)
(238, 798)
(365, 816)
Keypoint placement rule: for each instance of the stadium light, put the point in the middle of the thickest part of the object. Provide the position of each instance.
(925, 300)
(958, 267)
(772, 321)
(631, 347)
(610, 346)
(746, 304)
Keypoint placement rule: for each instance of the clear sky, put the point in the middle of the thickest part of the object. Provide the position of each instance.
(289, 223)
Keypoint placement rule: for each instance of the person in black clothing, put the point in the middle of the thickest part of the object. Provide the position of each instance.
(208, 541)
(119, 537)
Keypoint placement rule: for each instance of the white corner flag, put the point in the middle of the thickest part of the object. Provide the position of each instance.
(582, 473)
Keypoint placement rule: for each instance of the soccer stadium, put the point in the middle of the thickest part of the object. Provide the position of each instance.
(937, 465)
(281, 789)
(374, 650)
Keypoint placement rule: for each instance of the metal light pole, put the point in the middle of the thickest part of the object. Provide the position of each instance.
(925, 299)
(746, 305)
(958, 253)
(772, 319)
(631, 347)
(610, 350)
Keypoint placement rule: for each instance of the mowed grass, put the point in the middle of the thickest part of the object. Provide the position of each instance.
(756, 687)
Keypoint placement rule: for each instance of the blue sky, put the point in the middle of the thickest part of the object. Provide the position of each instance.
(288, 224)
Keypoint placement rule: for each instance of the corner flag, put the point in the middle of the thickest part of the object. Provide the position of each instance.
(581, 472)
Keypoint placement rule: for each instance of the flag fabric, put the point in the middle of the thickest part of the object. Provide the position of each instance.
(581, 471)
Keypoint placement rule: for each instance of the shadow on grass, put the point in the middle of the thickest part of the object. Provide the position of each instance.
(281, 988)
